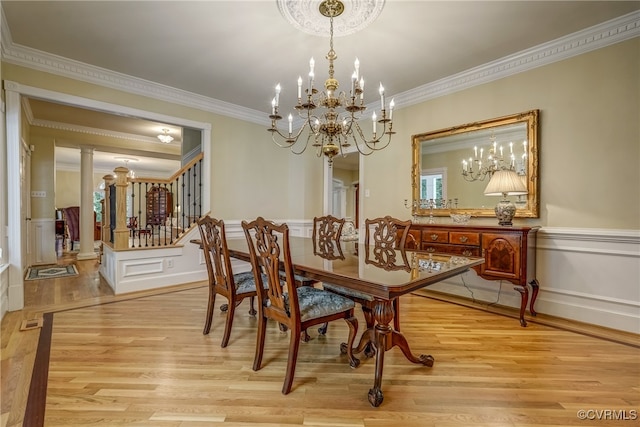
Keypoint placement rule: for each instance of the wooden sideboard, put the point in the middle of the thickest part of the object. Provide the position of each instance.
(509, 253)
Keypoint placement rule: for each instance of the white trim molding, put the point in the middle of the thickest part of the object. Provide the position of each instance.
(590, 275)
(607, 33)
(599, 36)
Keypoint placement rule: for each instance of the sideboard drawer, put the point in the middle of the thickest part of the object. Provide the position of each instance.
(451, 249)
(435, 236)
(464, 238)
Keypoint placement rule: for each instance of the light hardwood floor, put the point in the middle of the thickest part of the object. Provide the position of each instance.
(142, 360)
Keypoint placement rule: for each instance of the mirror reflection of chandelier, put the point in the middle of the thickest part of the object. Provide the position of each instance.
(498, 157)
(333, 131)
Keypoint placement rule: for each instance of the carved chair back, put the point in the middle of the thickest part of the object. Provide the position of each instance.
(234, 287)
(270, 254)
(326, 237)
(386, 231)
(217, 259)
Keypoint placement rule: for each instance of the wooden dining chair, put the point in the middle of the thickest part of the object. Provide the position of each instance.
(234, 287)
(296, 307)
(326, 232)
(382, 237)
(325, 228)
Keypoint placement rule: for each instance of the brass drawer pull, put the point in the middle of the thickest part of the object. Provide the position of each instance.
(464, 239)
(431, 249)
(467, 253)
(434, 237)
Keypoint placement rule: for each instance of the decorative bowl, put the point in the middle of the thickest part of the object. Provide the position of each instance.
(459, 218)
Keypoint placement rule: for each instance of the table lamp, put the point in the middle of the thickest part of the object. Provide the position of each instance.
(503, 183)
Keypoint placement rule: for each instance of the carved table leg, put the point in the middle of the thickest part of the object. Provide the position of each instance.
(400, 340)
(535, 286)
(366, 343)
(385, 338)
(524, 298)
(383, 313)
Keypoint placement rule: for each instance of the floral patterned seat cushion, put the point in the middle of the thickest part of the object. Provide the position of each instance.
(346, 291)
(316, 302)
(245, 282)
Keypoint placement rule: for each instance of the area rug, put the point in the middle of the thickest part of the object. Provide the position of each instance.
(51, 272)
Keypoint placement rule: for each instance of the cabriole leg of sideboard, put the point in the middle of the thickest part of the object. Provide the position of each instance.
(524, 298)
(535, 287)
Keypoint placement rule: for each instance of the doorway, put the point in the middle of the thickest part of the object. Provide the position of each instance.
(16, 236)
(345, 179)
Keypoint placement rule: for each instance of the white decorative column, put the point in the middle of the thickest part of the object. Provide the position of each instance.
(87, 222)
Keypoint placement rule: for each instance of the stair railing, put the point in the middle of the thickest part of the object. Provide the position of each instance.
(151, 212)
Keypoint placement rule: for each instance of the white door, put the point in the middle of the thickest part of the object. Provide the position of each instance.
(335, 202)
(339, 200)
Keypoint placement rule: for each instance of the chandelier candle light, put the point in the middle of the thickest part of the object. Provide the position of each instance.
(477, 168)
(332, 130)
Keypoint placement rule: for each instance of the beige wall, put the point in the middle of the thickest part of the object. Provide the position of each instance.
(250, 175)
(68, 187)
(589, 139)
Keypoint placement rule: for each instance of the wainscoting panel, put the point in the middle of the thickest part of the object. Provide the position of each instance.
(44, 244)
(4, 290)
(590, 275)
(587, 275)
(145, 269)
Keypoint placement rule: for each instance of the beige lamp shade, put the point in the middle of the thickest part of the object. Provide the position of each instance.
(505, 182)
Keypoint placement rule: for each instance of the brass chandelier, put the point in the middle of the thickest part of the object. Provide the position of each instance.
(478, 167)
(336, 128)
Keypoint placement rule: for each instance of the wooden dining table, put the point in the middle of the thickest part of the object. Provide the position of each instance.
(384, 275)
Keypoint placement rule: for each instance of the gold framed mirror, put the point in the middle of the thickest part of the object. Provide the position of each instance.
(451, 167)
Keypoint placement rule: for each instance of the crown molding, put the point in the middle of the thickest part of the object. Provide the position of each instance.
(599, 36)
(93, 131)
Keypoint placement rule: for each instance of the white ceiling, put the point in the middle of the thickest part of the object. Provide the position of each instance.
(235, 52)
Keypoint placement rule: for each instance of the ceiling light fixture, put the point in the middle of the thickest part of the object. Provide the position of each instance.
(333, 130)
(165, 137)
(131, 174)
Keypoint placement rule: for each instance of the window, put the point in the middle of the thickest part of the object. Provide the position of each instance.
(433, 184)
(97, 205)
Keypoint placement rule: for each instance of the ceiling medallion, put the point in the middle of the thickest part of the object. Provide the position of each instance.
(306, 16)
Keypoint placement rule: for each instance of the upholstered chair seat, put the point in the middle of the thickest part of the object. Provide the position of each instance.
(245, 283)
(316, 303)
(351, 293)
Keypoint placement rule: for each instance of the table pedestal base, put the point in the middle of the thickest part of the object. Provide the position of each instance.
(381, 338)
